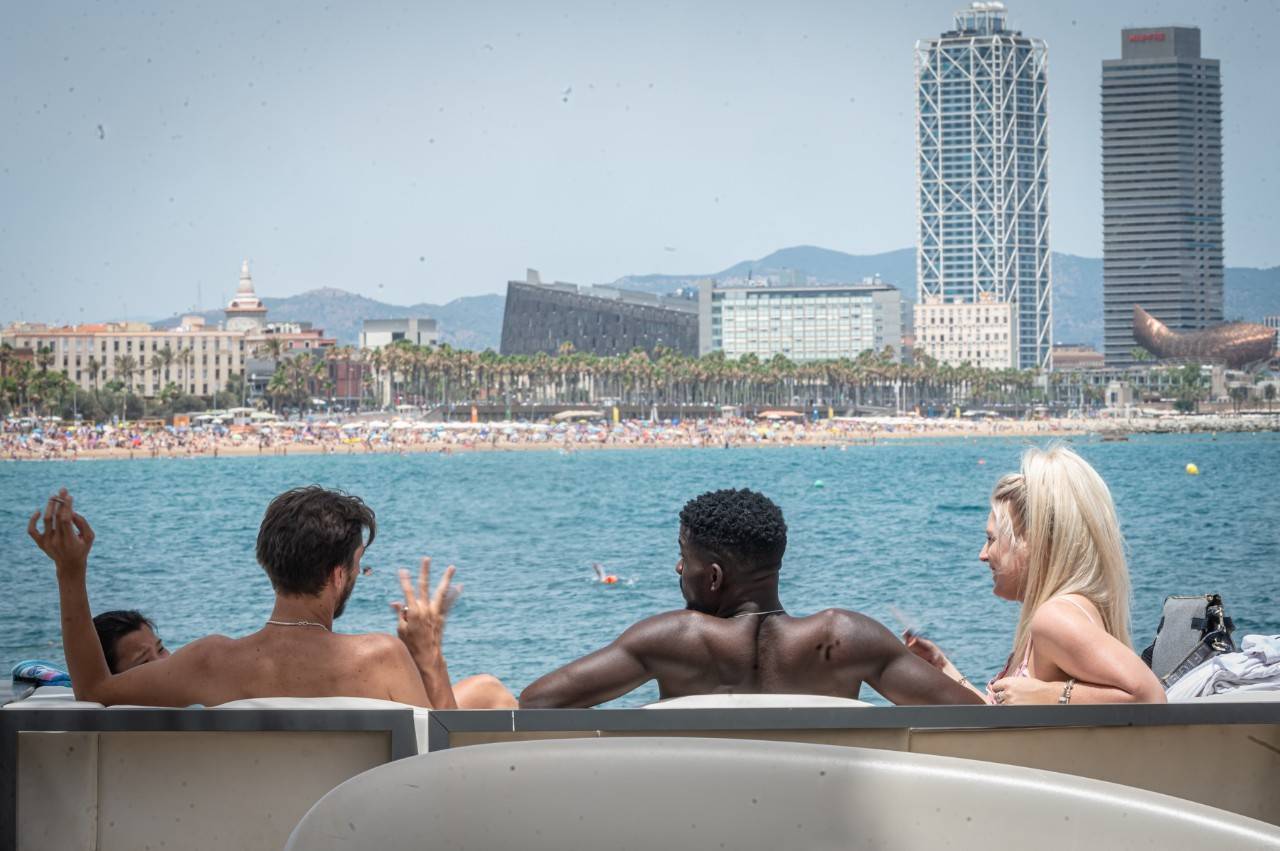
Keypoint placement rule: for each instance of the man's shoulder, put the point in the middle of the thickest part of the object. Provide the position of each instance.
(209, 645)
(841, 621)
(849, 633)
(379, 644)
(663, 628)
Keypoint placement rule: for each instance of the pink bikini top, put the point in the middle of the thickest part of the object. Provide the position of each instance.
(1024, 667)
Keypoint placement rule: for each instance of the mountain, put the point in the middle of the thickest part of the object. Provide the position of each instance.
(475, 322)
(1077, 300)
(823, 264)
(1077, 283)
(471, 322)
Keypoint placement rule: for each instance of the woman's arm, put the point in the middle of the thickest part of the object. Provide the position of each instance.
(1068, 643)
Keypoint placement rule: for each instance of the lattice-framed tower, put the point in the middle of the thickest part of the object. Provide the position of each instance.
(982, 162)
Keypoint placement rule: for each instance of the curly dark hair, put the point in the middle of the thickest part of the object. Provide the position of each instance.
(115, 625)
(307, 532)
(740, 528)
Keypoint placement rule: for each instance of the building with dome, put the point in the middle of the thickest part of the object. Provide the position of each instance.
(246, 312)
(197, 358)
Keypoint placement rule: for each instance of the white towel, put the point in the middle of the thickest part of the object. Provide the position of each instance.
(1255, 668)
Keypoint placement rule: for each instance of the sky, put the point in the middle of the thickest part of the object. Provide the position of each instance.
(422, 151)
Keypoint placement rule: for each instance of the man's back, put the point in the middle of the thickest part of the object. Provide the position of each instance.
(832, 653)
(284, 662)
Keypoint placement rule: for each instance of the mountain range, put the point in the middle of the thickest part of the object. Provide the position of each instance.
(475, 322)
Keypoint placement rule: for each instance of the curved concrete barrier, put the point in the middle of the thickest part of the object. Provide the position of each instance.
(712, 793)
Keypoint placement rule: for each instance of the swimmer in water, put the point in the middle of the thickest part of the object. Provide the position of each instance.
(601, 576)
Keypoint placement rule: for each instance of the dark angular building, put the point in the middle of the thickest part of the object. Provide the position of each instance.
(1161, 186)
(600, 320)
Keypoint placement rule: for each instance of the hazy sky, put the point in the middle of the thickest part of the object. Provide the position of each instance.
(422, 151)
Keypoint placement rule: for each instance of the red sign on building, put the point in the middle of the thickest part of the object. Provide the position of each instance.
(1147, 37)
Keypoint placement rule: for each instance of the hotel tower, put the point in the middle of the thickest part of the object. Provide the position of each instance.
(1161, 186)
(982, 156)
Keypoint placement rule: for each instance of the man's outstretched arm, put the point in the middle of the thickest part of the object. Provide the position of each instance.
(67, 539)
(902, 676)
(605, 674)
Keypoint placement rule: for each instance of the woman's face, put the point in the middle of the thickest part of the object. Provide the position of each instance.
(1007, 561)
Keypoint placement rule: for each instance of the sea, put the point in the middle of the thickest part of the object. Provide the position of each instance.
(892, 530)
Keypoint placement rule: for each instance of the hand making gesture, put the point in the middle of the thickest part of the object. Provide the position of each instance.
(66, 538)
(420, 626)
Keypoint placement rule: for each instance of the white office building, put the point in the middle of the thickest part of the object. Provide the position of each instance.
(376, 333)
(811, 323)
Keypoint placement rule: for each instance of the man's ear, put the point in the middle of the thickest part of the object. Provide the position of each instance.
(717, 576)
(338, 575)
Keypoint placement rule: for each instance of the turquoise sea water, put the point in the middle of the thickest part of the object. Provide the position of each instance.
(897, 524)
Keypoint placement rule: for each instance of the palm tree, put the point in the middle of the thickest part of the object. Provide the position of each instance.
(94, 366)
(44, 358)
(125, 367)
(186, 359)
(271, 348)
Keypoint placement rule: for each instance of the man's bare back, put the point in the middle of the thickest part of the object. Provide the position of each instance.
(832, 653)
(734, 636)
(274, 662)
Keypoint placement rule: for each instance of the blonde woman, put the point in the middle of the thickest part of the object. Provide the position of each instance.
(1053, 545)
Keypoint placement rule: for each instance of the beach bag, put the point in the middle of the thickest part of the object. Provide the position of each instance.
(1192, 630)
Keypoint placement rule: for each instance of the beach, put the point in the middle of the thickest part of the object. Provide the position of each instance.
(405, 436)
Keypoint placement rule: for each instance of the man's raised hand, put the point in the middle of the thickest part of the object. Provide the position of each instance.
(66, 537)
(422, 615)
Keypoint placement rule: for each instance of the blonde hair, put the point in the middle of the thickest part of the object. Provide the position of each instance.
(1059, 511)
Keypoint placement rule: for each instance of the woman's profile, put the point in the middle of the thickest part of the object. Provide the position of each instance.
(1054, 545)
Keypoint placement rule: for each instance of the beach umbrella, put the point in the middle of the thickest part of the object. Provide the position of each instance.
(351, 427)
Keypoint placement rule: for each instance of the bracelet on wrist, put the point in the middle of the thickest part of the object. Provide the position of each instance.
(1066, 692)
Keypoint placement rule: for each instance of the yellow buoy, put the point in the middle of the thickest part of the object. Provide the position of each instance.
(1193, 470)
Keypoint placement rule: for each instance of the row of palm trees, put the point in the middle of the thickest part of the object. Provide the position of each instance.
(428, 375)
(431, 375)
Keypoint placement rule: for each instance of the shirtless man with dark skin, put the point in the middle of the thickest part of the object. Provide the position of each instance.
(734, 637)
(310, 544)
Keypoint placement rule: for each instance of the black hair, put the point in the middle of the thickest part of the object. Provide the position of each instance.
(307, 532)
(740, 528)
(113, 626)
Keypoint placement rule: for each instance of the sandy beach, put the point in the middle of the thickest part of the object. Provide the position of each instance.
(404, 437)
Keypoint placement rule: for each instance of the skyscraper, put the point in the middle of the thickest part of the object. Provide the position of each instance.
(1161, 185)
(982, 158)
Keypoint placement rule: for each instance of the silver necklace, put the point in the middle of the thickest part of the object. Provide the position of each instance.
(297, 623)
(749, 614)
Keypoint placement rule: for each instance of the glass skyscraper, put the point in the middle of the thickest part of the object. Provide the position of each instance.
(982, 158)
(1161, 186)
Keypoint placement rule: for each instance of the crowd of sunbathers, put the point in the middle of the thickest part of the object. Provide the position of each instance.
(1053, 545)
